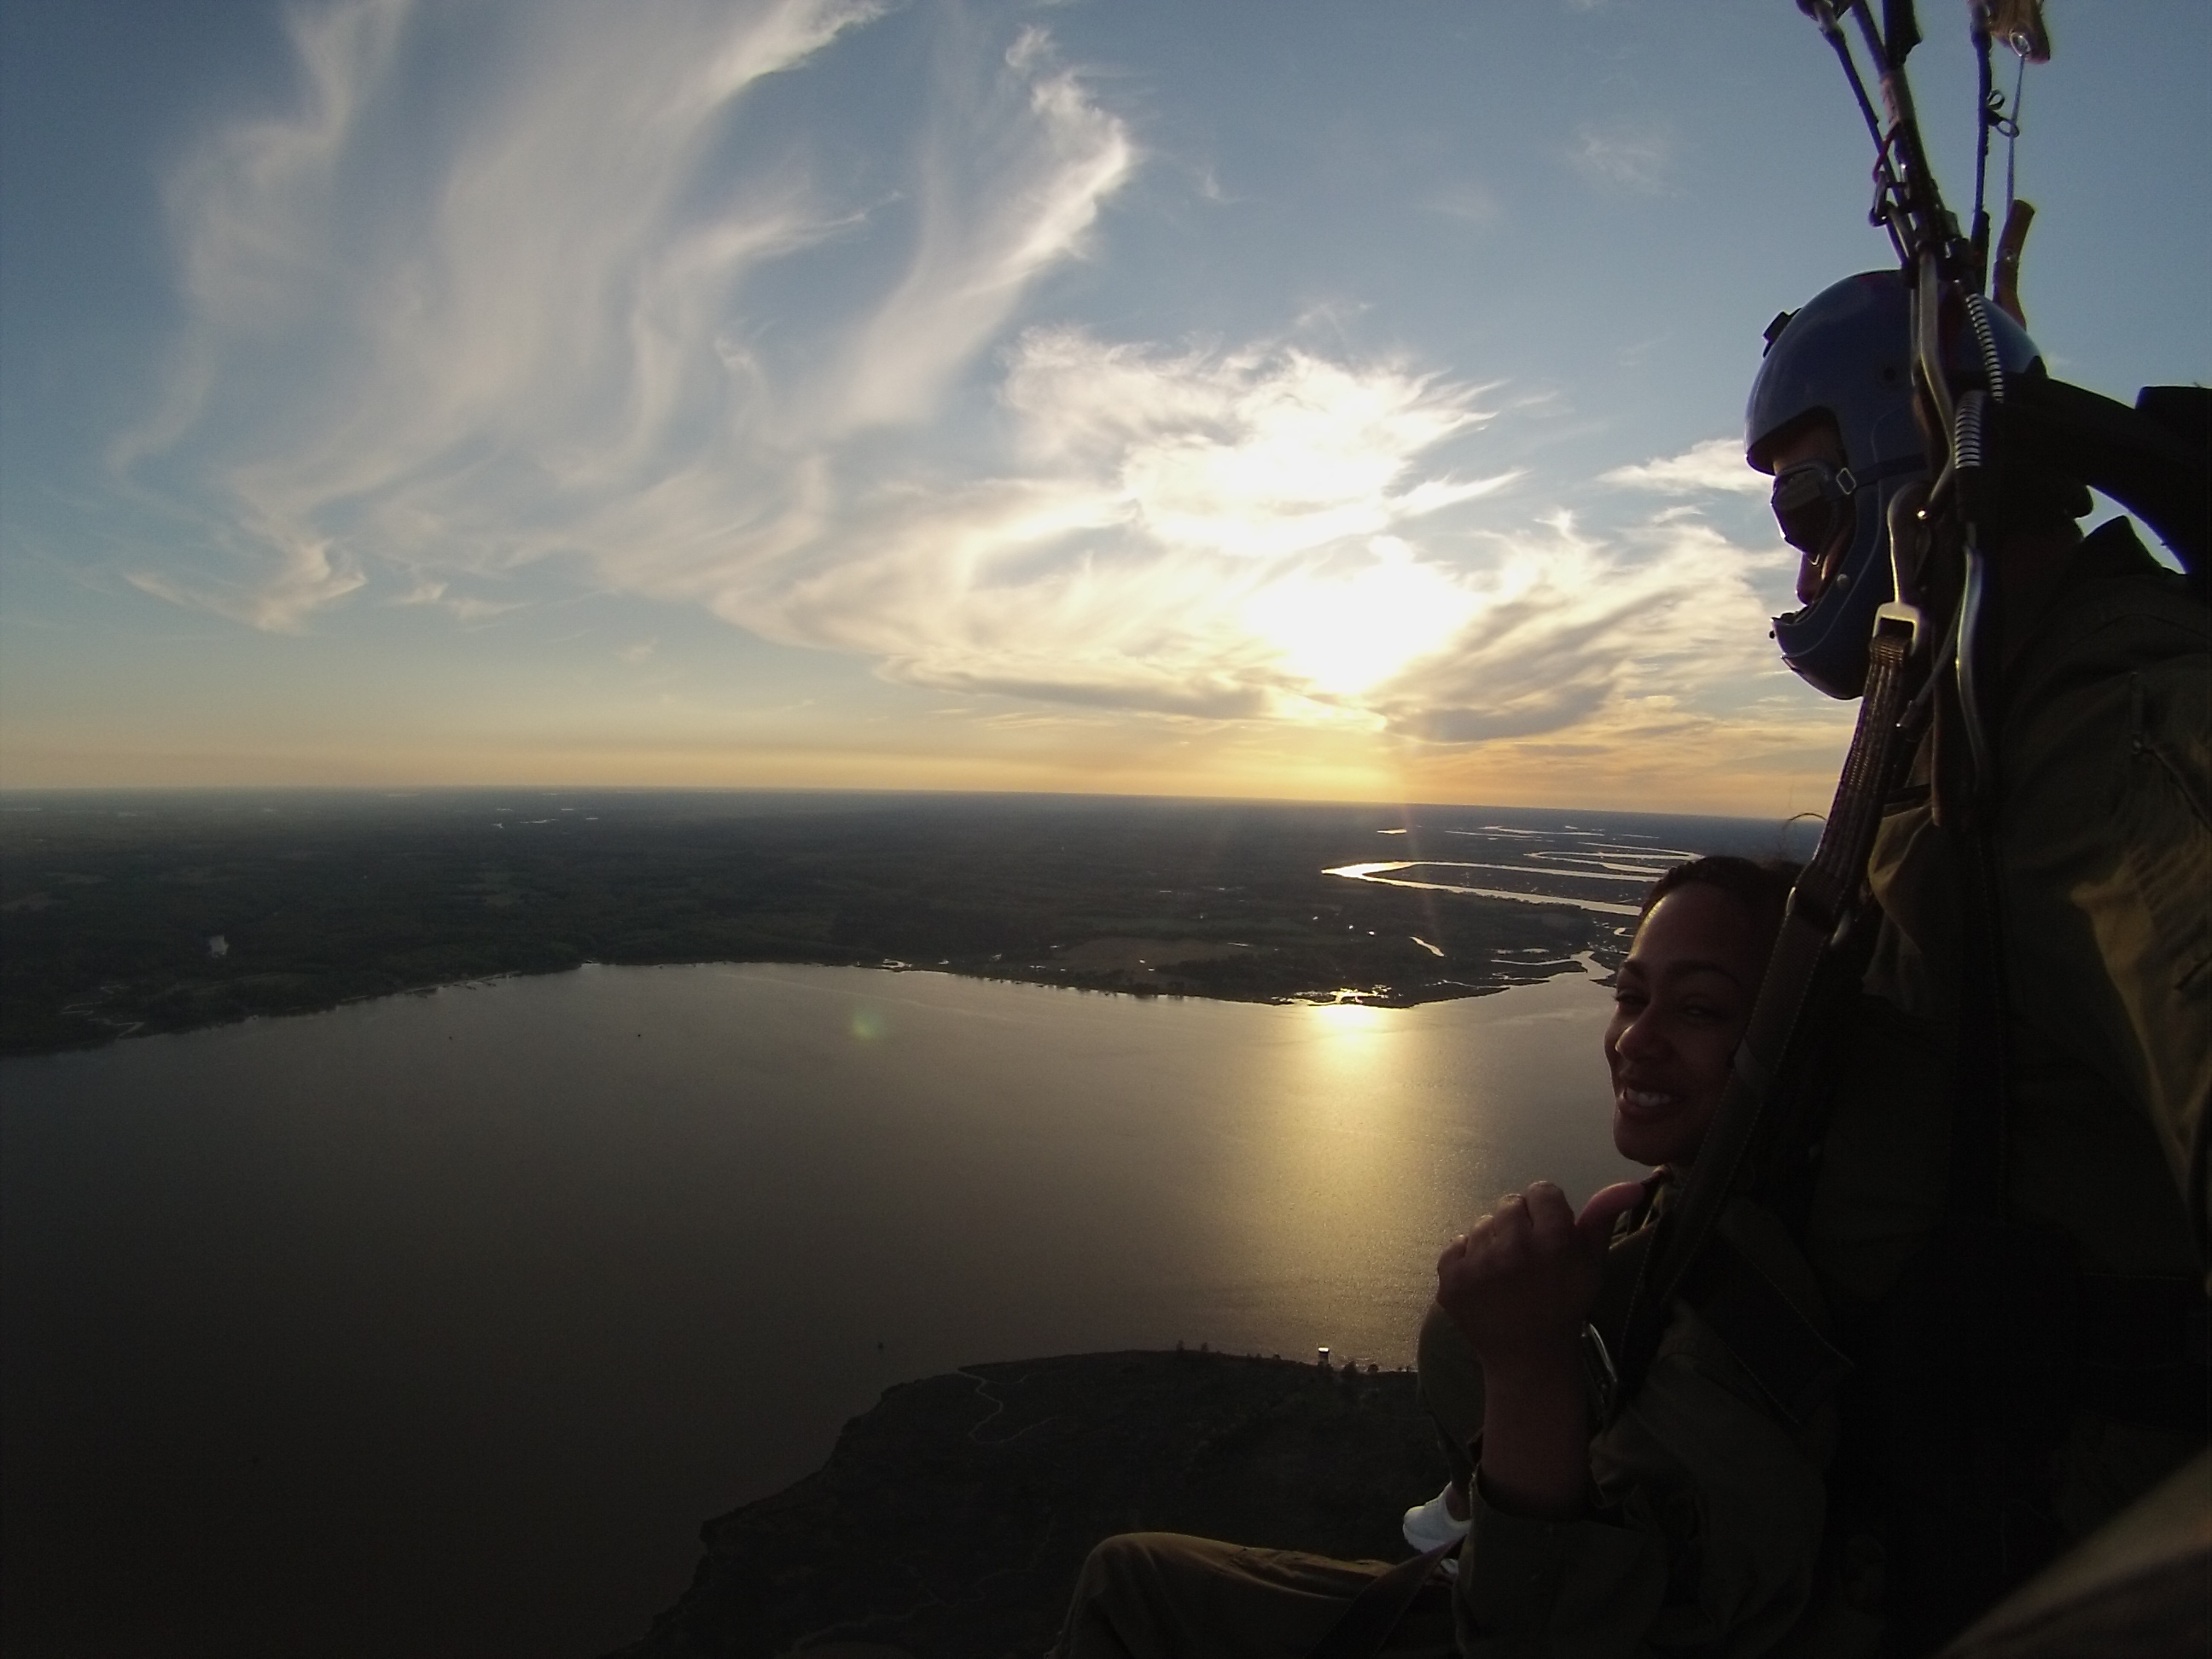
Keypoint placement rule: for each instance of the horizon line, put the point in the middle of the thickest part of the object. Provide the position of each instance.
(63, 792)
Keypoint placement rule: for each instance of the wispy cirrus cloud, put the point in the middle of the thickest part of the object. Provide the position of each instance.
(1716, 465)
(431, 334)
(1565, 625)
(1197, 531)
(996, 215)
(591, 316)
(1623, 156)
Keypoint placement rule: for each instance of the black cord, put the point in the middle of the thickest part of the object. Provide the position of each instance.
(1987, 116)
(1843, 50)
(2010, 127)
(1876, 45)
(1887, 191)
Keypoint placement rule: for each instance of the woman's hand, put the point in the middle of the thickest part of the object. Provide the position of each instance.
(1519, 1285)
(1520, 1282)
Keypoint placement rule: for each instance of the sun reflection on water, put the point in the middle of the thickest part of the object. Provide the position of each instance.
(1373, 1133)
(1344, 1025)
(1340, 1152)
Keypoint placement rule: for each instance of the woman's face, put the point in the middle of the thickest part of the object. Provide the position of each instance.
(1682, 1003)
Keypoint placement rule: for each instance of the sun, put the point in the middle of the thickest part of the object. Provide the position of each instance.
(1341, 634)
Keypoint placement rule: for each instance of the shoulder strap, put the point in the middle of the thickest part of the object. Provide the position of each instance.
(1825, 897)
(1784, 1344)
(1372, 1614)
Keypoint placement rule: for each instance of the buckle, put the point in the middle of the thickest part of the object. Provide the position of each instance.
(1896, 611)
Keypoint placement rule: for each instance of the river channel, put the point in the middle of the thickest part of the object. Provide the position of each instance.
(438, 1324)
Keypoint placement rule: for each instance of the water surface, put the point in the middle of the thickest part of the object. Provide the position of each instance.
(438, 1324)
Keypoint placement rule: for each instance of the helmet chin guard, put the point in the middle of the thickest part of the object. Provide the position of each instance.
(1826, 642)
(1846, 359)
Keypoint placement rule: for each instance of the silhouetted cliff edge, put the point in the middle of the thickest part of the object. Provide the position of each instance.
(951, 1520)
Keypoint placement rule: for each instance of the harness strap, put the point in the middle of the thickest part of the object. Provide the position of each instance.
(1826, 895)
(2142, 1349)
(1979, 1122)
(1372, 1614)
(1782, 1345)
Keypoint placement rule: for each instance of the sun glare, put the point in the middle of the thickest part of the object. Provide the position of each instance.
(1343, 634)
(1347, 1025)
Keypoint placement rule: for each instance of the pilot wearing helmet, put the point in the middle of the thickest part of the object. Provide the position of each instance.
(2032, 1361)
(2024, 1367)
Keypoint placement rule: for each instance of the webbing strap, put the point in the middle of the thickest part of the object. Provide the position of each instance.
(1781, 1346)
(1826, 895)
(1371, 1615)
(1980, 1080)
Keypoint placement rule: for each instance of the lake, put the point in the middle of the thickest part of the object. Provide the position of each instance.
(437, 1324)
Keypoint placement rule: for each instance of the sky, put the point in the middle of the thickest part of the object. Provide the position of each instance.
(1291, 400)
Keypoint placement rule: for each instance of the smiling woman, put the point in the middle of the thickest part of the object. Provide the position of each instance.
(1502, 1364)
(1683, 999)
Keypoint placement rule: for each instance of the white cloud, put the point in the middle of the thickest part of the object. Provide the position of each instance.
(582, 322)
(386, 355)
(469, 609)
(1564, 625)
(294, 574)
(1715, 464)
(1469, 201)
(1256, 452)
(1636, 159)
(1008, 189)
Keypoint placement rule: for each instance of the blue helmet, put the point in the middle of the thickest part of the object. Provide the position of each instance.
(1847, 358)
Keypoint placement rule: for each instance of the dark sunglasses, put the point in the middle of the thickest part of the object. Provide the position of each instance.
(1812, 502)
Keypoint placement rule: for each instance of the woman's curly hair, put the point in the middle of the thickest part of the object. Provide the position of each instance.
(1762, 885)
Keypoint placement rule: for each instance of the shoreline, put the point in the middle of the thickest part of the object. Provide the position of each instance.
(1143, 985)
(196, 916)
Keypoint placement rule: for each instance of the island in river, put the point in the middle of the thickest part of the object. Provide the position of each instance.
(123, 913)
